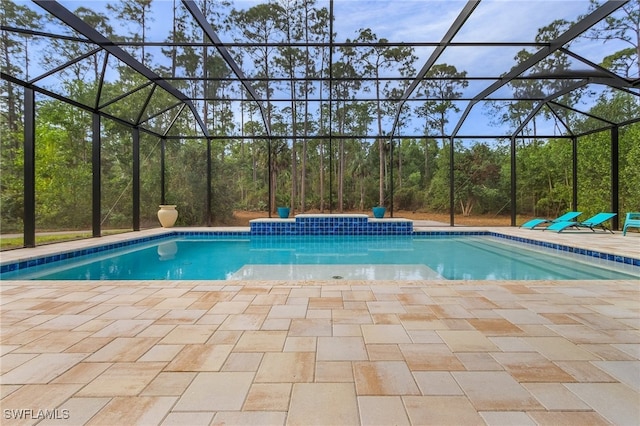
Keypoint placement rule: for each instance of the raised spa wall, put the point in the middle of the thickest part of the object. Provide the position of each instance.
(331, 224)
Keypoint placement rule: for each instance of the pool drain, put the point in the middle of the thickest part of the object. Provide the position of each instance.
(336, 277)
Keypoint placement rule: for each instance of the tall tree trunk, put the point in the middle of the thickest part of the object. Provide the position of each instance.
(399, 164)
(144, 33)
(361, 193)
(426, 163)
(205, 59)
(174, 48)
(11, 96)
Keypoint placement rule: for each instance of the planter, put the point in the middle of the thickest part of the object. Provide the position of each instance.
(167, 215)
(378, 212)
(283, 212)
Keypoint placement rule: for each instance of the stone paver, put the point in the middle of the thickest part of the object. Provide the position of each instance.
(325, 352)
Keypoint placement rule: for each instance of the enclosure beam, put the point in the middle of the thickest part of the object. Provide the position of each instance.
(75, 22)
(76, 104)
(574, 173)
(615, 163)
(136, 178)
(209, 189)
(103, 74)
(126, 43)
(560, 120)
(29, 229)
(331, 100)
(513, 188)
(391, 177)
(269, 177)
(574, 31)
(464, 14)
(163, 150)
(452, 204)
(600, 73)
(96, 193)
(549, 98)
(367, 137)
(65, 65)
(211, 34)
(124, 95)
(585, 113)
(146, 104)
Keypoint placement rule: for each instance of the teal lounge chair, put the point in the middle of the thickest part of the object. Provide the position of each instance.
(632, 221)
(567, 217)
(593, 222)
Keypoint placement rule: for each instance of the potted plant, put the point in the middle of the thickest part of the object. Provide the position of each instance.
(283, 212)
(379, 211)
(282, 201)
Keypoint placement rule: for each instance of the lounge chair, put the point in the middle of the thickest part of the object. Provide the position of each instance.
(593, 222)
(567, 217)
(632, 221)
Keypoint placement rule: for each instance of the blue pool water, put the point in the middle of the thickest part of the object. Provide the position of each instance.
(329, 257)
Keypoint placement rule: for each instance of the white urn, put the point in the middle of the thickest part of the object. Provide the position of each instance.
(167, 215)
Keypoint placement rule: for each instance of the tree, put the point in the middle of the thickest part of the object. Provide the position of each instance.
(594, 172)
(138, 14)
(315, 30)
(443, 83)
(15, 55)
(14, 51)
(479, 168)
(558, 63)
(377, 59)
(100, 22)
(344, 88)
(623, 26)
(261, 24)
(290, 60)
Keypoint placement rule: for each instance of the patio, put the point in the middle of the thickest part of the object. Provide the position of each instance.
(430, 352)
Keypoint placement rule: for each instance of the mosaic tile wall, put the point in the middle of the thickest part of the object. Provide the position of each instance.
(331, 225)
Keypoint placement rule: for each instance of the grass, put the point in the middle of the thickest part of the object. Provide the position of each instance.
(8, 243)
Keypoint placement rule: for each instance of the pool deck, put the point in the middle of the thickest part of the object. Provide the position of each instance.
(323, 352)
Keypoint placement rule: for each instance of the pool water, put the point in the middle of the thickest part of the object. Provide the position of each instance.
(329, 257)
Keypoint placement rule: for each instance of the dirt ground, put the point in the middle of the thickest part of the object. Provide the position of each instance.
(242, 218)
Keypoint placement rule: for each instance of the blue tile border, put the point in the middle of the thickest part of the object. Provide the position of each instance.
(15, 266)
(287, 230)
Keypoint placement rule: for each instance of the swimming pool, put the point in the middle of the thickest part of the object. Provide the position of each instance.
(250, 257)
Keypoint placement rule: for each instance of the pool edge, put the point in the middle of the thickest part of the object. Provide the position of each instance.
(97, 247)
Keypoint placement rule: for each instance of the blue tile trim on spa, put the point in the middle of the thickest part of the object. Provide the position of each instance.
(9, 267)
(330, 225)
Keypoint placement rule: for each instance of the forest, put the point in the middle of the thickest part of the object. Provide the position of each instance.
(360, 166)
